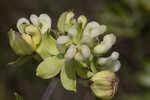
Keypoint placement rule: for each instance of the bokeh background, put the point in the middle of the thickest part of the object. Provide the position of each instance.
(128, 19)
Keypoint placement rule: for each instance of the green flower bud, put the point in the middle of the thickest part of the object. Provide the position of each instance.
(18, 44)
(104, 84)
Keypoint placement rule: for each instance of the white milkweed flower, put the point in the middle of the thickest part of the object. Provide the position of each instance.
(108, 41)
(70, 52)
(110, 62)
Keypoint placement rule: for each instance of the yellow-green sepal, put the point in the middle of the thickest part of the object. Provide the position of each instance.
(47, 46)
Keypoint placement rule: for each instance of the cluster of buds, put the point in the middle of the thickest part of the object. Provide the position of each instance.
(76, 49)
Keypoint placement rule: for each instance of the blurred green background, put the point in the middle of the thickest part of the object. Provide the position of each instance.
(128, 19)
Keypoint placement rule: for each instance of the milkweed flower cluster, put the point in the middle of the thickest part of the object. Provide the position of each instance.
(75, 50)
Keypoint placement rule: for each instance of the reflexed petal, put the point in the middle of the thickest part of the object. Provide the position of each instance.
(90, 26)
(20, 22)
(45, 20)
(112, 63)
(34, 19)
(108, 41)
(98, 31)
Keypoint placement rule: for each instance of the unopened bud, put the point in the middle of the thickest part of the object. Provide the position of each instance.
(104, 84)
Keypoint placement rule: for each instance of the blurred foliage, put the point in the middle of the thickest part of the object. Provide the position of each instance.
(124, 16)
(129, 19)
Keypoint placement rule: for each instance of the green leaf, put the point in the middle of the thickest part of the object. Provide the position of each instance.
(68, 76)
(83, 72)
(18, 97)
(47, 46)
(50, 67)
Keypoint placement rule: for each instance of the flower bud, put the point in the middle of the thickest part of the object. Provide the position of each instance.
(18, 44)
(108, 41)
(70, 52)
(104, 84)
